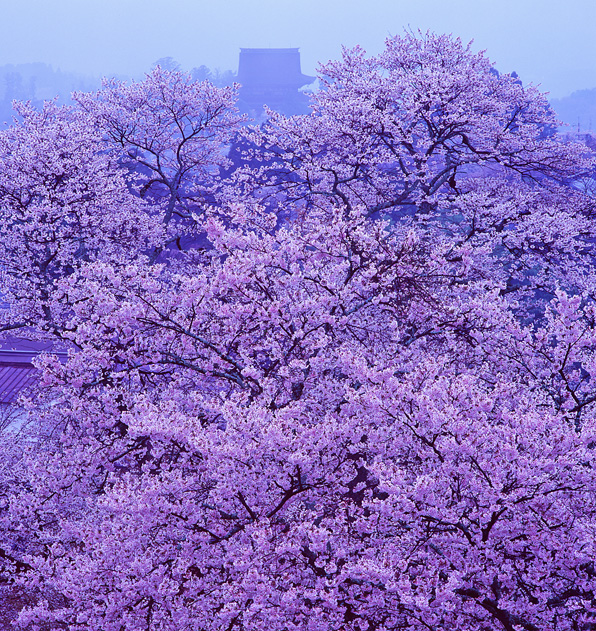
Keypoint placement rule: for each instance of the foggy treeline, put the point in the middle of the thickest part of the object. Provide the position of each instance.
(39, 82)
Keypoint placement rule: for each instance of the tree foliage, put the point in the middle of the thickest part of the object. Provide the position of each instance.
(367, 405)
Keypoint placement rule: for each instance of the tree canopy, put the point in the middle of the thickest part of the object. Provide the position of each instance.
(365, 403)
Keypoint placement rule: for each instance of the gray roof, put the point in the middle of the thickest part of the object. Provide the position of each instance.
(16, 366)
(13, 379)
(271, 67)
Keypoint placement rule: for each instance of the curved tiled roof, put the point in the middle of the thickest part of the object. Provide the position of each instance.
(16, 366)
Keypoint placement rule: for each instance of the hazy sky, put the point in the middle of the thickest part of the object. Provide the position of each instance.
(548, 42)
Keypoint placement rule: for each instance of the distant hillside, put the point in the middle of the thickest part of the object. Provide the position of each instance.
(577, 110)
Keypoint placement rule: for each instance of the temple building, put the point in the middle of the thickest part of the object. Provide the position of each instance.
(272, 77)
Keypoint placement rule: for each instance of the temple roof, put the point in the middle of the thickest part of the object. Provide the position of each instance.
(16, 365)
(271, 68)
(13, 379)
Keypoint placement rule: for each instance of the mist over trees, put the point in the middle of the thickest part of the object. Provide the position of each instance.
(39, 82)
(343, 381)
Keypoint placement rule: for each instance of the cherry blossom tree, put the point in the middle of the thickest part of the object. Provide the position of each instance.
(429, 133)
(63, 203)
(413, 126)
(266, 444)
(343, 420)
(173, 131)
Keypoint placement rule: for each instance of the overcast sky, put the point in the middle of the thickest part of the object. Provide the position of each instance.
(548, 42)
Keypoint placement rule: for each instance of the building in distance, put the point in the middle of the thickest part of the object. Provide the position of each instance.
(272, 77)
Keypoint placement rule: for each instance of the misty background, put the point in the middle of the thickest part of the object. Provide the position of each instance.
(49, 49)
